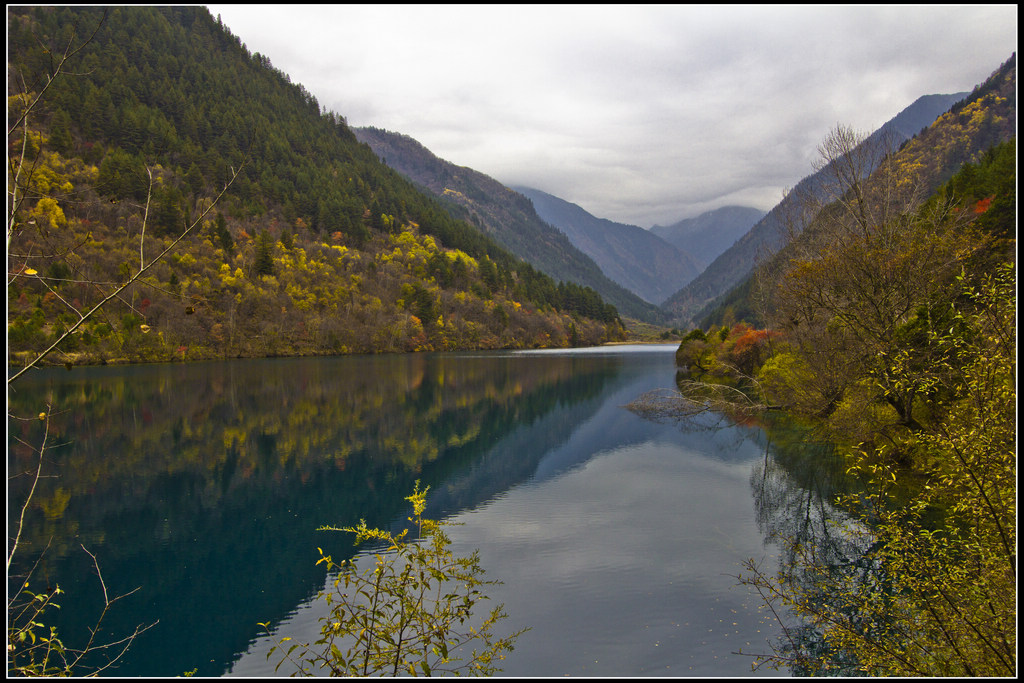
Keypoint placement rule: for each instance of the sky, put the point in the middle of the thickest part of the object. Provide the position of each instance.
(642, 114)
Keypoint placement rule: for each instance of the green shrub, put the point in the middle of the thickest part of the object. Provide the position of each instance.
(411, 614)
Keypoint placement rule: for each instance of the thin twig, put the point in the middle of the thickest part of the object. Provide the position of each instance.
(35, 481)
(131, 280)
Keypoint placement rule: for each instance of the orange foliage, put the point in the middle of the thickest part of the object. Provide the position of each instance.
(750, 339)
(750, 348)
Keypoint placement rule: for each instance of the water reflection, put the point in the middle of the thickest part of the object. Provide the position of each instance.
(619, 550)
(183, 478)
(617, 538)
(796, 489)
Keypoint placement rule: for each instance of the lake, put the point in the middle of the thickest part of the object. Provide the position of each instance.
(617, 538)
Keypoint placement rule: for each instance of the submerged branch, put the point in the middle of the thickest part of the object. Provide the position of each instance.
(694, 399)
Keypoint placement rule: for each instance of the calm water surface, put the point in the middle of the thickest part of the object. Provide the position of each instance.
(617, 538)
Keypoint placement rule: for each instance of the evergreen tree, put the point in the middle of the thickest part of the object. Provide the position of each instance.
(60, 132)
(222, 235)
(264, 263)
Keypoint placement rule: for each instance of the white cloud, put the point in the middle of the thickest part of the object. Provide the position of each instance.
(641, 114)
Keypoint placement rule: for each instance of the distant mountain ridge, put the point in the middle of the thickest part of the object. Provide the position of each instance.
(965, 133)
(635, 258)
(766, 237)
(504, 215)
(708, 235)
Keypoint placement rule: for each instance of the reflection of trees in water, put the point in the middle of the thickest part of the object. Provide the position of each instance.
(204, 433)
(825, 552)
(794, 487)
(186, 477)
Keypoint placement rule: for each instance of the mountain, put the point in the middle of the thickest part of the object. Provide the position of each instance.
(315, 246)
(503, 214)
(965, 134)
(635, 258)
(709, 234)
(768, 235)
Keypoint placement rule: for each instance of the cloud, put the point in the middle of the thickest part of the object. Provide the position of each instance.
(641, 114)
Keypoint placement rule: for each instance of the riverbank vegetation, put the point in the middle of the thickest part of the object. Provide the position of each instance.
(892, 328)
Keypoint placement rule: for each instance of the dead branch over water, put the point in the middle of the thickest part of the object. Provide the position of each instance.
(693, 399)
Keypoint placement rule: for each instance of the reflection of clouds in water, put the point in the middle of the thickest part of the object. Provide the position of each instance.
(645, 501)
(619, 550)
(623, 565)
(638, 544)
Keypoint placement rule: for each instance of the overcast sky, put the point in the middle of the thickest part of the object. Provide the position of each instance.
(640, 114)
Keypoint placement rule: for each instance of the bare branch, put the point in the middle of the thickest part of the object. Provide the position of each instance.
(69, 52)
(131, 280)
(145, 220)
(693, 399)
(106, 600)
(35, 480)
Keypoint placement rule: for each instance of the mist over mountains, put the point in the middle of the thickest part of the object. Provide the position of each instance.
(504, 215)
(635, 258)
(708, 235)
(669, 273)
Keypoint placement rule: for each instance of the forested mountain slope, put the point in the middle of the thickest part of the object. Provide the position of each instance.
(890, 329)
(317, 247)
(768, 235)
(635, 258)
(504, 214)
(964, 134)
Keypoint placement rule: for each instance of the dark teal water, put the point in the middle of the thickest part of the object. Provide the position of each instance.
(617, 538)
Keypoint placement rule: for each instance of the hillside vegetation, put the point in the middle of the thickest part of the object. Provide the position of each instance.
(890, 327)
(504, 215)
(734, 265)
(316, 248)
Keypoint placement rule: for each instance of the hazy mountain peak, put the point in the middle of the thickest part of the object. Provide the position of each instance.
(711, 233)
(636, 258)
(504, 214)
(734, 264)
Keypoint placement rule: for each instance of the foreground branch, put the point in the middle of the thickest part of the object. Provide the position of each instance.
(143, 268)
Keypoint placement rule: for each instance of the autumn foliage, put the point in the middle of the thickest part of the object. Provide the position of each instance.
(316, 248)
(725, 352)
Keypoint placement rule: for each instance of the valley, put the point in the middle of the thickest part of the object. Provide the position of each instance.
(236, 321)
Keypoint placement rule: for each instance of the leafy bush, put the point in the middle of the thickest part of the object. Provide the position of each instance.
(409, 615)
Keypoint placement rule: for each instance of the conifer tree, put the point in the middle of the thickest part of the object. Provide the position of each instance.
(264, 263)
